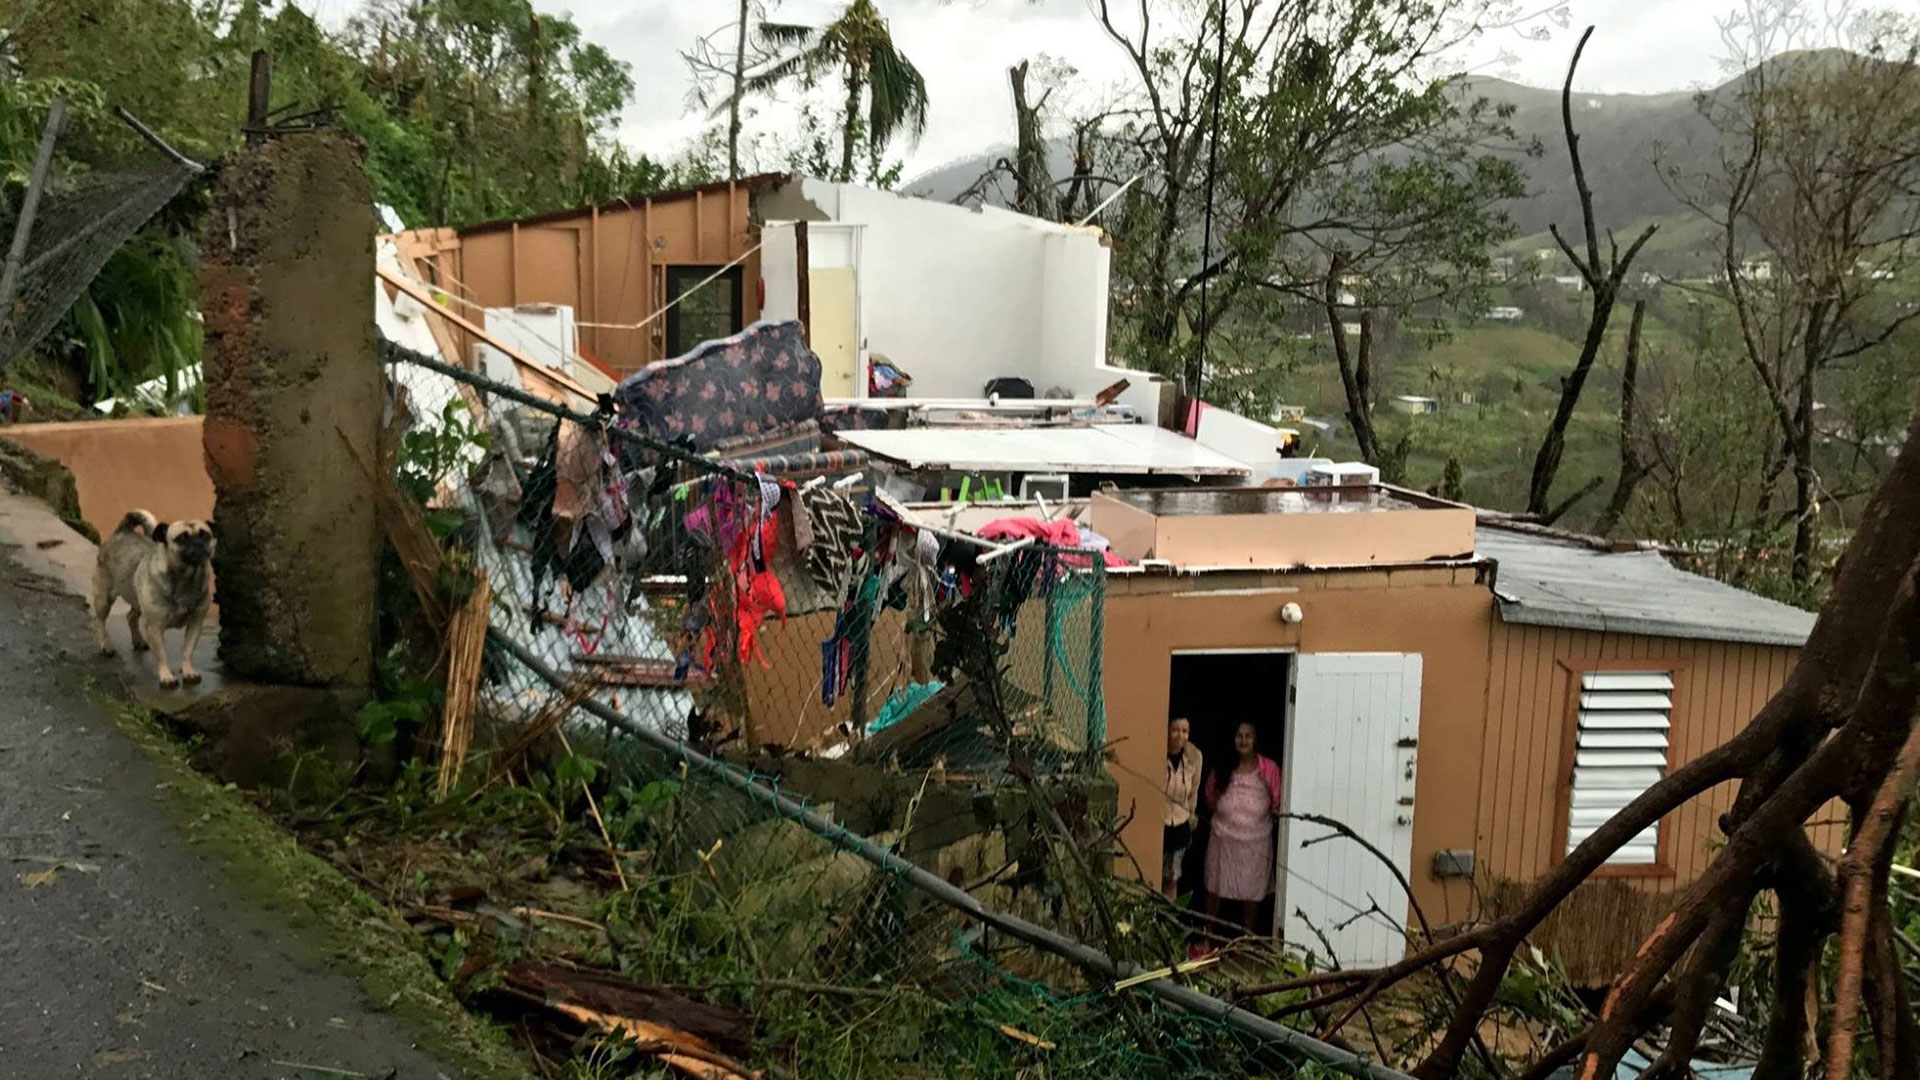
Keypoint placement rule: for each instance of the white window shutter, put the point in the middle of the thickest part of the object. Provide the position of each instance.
(1620, 751)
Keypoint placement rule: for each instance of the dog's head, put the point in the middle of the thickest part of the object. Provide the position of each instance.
(188, 543)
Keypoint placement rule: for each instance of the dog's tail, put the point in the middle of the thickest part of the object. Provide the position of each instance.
(138, 522)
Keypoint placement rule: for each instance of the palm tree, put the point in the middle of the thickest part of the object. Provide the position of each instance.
(860, 48)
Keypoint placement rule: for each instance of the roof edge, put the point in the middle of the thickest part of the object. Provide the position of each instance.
(1524, 614)
(751, 183)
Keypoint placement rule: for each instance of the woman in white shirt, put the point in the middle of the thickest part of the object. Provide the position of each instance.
(1183, 796)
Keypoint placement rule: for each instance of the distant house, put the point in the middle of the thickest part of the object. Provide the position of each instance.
(1505, 313)
(1570, 281)
(1414, 404)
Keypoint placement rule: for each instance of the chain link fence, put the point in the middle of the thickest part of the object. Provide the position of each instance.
(849, 766)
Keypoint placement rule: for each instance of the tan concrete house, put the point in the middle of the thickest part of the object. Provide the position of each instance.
(1472, 698)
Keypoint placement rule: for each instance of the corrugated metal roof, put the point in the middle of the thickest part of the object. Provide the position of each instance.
(1544, 581)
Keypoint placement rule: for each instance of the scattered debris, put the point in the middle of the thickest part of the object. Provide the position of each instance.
(329, 1071)
(555, 916)
(466, 639)
(683, 1033)
(1027, 1037)
(35, 879)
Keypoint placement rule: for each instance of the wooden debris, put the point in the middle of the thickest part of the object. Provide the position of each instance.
(556, 916)
(1160, 973)
(682, 1033)
(406, 528)
(466, 641)
(1027, 1037)
(557, 708)
(327, 1070)
(38, 878)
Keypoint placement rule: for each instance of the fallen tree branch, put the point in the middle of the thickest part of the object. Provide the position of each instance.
(1859, 884)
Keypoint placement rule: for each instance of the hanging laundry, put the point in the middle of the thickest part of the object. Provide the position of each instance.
(1058, 533)
(718, 519)
(852, 633)
(576, 465)
(757, 592)
(836, 526)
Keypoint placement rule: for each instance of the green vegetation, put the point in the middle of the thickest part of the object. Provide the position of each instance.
(1705, 416)
(469, 110)
(857, 48)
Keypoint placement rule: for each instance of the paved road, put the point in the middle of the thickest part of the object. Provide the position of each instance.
(144, 965)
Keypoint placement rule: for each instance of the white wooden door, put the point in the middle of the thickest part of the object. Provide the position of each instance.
(1352, 738)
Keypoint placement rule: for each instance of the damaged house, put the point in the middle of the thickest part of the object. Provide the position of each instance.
(922, 391)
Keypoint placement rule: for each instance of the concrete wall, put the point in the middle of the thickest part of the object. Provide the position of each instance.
(294, 395)
(1441, 613)
(958, 296)
(153, 463)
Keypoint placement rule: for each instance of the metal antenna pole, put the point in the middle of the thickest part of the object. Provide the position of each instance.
(30, 205)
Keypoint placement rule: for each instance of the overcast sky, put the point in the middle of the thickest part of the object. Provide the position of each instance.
(964, 47)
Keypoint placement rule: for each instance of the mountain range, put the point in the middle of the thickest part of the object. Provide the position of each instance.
(1627, 142)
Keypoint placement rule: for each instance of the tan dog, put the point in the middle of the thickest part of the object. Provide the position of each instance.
(164, 571)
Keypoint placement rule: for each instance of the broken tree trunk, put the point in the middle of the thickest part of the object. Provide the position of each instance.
(1355, 375)
(1633, 468)
(1603, 278)
(1834, 729)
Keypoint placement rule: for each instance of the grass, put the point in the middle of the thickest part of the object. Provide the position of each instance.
(330, 916)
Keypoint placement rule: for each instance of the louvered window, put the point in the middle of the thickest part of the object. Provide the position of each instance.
(1621, 751)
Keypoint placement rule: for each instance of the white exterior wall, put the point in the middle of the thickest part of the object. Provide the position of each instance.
(779, 261)
(956, 296)
(1073, 312)
(1238, 437)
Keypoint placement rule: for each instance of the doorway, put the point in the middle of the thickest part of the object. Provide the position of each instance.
(834, 332)
(1215, 691)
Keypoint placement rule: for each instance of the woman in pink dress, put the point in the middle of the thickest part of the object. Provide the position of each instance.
(1240, 846)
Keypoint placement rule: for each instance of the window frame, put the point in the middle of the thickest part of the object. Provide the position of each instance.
(733, 276)
(1676, 668)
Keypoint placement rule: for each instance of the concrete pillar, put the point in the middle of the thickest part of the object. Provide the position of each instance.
(286, 289)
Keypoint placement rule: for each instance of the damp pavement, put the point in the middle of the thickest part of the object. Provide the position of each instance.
(125, 954)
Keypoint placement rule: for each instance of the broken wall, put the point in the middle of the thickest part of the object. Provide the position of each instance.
(292, 380)
(958, 296)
